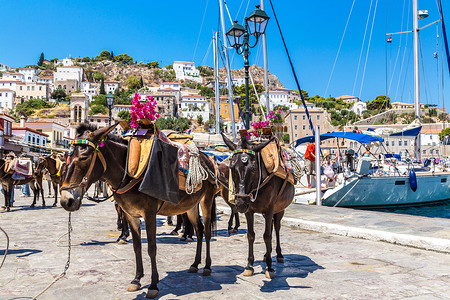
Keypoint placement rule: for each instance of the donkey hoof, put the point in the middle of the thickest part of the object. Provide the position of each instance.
(122, 241)
(270, 274)
(151, 294)
(248, 272)
(189, 239)
(280, 260)
(206, 272)
(193, 269)
(32, 205)
(174, 232)
(234, 230)
(133, 287)
(54, 205)
(8, 209)
(183, 238)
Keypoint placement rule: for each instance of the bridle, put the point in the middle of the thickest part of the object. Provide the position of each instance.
(97, 153)
(260, 185)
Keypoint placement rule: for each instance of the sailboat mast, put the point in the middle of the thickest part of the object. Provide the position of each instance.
(227, 67)
(417, 143)
(416, 60)
(216, 80)
(266, 67)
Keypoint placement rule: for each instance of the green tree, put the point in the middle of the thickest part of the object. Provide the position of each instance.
(104, 55)
(86, 59)
(133, 83)
(380, 102)
(124, 59)
(41, 59)
(112, 56)
(432, 112)
(240, 91)
(59, 94)
(98, 109)
(125, 115)
(206, 92)
(30, 106)
(286, 138)
(141, 82)
(102, 87)
(100, 100)
(98, 76)
(200, 119)
(223, 91)
(444, 132)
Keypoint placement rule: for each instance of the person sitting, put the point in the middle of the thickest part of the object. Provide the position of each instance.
(367, 153)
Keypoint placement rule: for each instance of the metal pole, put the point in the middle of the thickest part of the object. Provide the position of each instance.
(109, 120)
(416, 74)
(227, 67)
(317, 161)
(216, 81)
(266, 67)
(246, 66)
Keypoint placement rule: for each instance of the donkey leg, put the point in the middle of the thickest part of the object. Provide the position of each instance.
(150, 225)
(8, 192)
(251, 239)
(35, 196)
(135, 225)
(194, 218)
(237, 223)
(178, 226)
(277, 224)
(230, 223)
(207, 207)
(55, 190)
(270, 272)
(125, 231)
(188, 231)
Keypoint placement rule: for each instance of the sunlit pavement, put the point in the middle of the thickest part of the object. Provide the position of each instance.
(317, 265)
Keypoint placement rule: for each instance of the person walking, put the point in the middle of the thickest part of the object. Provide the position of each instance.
(310, 158)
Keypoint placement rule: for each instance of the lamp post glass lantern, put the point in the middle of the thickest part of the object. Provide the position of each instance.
(109, 102)
(239, 36)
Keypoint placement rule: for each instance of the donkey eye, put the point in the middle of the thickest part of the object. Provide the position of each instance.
(83, 158)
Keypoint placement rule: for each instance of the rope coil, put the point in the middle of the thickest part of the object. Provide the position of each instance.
(196, 171)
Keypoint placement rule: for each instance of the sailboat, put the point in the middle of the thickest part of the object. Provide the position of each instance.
(367, 185)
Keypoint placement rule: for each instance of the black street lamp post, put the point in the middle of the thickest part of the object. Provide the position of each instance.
(109, 102)
(239, 36)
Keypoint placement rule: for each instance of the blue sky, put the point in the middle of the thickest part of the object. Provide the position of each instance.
(169, 30)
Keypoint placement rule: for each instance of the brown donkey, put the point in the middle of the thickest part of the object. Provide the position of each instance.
(257, 191)
(49, 163)
(83, 169)
(8, 183)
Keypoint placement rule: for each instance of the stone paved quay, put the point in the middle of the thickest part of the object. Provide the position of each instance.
(317, 265)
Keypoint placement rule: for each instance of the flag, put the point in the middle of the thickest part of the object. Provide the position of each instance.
(389, 40)
(188, 131)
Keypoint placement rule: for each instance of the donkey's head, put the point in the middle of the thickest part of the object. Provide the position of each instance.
(85, 165)
(245, 171)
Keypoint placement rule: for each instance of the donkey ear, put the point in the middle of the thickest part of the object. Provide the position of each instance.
(259, 147)
(232, 146)
(101, 133)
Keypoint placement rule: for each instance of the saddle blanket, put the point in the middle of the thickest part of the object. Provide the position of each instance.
(23, 166)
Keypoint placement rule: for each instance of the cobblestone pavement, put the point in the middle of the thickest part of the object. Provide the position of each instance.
(317, 265)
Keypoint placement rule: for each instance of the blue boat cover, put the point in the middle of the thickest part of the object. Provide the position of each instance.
(390, 155)
(359, 137)
(219, 157)
(410, 132)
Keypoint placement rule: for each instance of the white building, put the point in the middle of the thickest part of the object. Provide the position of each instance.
(68, 73)
(31, 137)
(278, 97)
(194, 105)
(45, 80)
(238, 81)
(7, 97)
(9, 84)
(13, 76)
(348, 99)
(429, 137)
(4, 68)
(117, 108)
(30, 74)
(90, 89)
(358, 107)
(111, 86)
(66, 62)
(186, 71)
(170, 85)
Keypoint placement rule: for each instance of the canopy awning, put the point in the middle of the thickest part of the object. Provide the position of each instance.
(409, 132)
(359, 137)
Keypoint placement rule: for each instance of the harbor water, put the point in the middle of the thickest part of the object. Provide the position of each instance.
(441, 210)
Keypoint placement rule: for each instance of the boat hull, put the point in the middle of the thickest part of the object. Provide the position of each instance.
(372, 191)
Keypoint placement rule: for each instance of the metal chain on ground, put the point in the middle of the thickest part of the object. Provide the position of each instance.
(196, 172)
(7, 247)
(69, 230)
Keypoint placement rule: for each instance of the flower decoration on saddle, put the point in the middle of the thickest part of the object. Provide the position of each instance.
(271, 118)
(143, 110)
